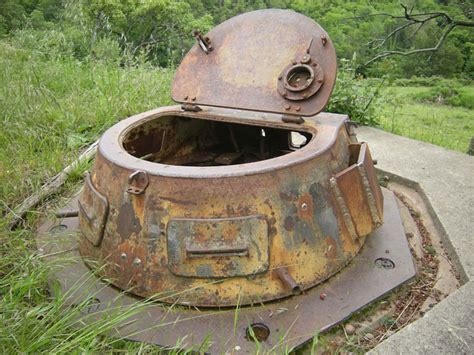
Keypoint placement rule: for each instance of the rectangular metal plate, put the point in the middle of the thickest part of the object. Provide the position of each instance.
(360, 194)
(219, 247)
(93, 212)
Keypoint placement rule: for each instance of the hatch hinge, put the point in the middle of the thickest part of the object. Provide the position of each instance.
(190, 107)
(292, 119)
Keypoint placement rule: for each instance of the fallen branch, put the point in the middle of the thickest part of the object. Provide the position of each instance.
(50, 187)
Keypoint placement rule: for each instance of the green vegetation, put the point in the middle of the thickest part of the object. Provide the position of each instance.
(426, 114)
(159, 30)
(70, 69)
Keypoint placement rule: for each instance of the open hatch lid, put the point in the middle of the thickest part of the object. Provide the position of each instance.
(266, 60)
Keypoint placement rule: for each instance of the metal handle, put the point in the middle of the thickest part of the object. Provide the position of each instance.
(213, 253)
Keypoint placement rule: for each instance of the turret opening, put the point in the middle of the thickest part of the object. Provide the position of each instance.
(185, 141)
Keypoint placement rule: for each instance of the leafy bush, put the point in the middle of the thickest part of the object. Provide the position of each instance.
(357, 97)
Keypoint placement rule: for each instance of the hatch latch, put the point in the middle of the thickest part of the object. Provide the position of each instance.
(204, 42)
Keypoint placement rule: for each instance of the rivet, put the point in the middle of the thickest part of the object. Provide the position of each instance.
(136, 261)
(193, 98)
(324, 39)
(297, 108)
(280, 77)
(320, 81)
(186, 97)
(314, 64)
(123, 256)
(304, 206)
(287, 107)
(295, 62)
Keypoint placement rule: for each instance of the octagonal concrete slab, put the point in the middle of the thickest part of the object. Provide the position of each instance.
(445, 179)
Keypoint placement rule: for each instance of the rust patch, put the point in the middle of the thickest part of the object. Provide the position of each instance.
(331, 248)
(289, 223)
(127, 221)
(305, 208)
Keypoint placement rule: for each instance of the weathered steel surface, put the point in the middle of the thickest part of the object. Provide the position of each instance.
(267, 60)
(94, 209)
(218, 247)
(216, 235)
(290, 322)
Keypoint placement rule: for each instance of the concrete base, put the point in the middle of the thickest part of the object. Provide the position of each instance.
(445, 179)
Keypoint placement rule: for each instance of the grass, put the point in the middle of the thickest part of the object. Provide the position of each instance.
(50, 109)
(407, 114)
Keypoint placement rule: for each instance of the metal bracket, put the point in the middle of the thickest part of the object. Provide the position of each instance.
(292, 119)
(137, 182)
(93, 210)
(350, 125)
(204, 42)
(191, 108)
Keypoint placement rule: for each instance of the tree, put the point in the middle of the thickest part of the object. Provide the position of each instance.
(414, 22)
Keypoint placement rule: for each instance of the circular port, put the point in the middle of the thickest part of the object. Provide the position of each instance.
(58, 229)
(384, 263)
(299, 77)
(257, 332)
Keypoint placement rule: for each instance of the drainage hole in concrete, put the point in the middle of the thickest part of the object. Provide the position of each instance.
(257, 332)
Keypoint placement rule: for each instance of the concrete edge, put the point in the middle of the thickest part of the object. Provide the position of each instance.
(450, 249)
(432, 171)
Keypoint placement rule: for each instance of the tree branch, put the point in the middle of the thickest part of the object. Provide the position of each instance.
(419, 20)
(414, 51)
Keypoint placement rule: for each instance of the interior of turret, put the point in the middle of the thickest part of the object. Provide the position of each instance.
(185, 141)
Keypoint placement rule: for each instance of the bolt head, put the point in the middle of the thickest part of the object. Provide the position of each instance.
(123, 256)
(136, 262)
(297, 108)
(304, 206)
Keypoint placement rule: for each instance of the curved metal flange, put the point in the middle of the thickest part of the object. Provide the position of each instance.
(288, 323)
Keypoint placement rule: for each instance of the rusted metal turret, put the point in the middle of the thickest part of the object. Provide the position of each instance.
(243, 193)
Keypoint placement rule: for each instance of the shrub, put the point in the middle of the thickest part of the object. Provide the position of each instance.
(357, 97)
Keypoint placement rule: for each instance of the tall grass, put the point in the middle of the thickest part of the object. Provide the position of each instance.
(50, 108)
